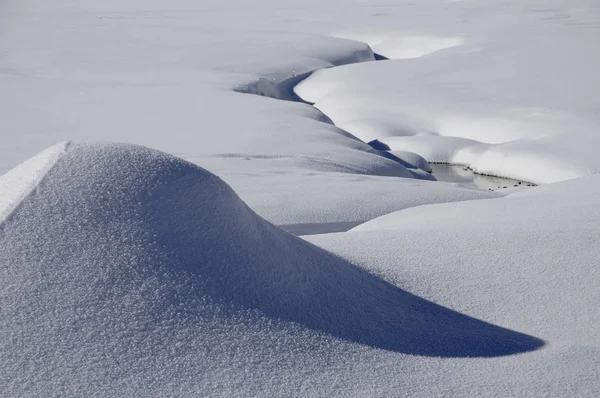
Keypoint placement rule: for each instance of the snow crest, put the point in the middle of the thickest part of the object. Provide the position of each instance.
(128, 269)
(22, 180)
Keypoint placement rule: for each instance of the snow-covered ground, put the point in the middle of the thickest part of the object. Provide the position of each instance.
(509, 89)
(154, 265)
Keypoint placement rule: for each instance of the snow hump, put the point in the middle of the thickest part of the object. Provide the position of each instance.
(115, 266)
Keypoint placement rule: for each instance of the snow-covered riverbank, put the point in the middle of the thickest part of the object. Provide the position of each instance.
(159, 269)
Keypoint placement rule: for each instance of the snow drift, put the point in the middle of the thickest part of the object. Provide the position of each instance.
(124, 267)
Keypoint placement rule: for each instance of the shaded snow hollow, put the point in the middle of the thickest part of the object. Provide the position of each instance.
(130, 270)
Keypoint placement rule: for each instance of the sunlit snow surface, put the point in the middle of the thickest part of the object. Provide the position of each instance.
(133, 270)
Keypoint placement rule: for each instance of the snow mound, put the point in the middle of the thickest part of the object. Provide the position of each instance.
(412, 158)
(128, 269)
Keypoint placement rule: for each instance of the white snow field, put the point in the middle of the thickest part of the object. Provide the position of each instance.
(159, 156)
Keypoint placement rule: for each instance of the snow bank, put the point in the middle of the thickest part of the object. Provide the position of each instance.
(528, 261)
(129, 270)
(337, 197)
(280, 84)
(526, 99)
(109, 286)
(401, 46)
(417, 161)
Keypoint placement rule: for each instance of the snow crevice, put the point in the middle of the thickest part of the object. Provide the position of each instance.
(284, 88)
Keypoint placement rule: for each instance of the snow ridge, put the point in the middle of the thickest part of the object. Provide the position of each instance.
(125, 266)
(21, 181)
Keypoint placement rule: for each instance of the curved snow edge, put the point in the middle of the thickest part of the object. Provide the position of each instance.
(282, 88)
(21, 181)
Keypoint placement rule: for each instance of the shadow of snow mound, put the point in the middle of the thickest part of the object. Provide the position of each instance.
(121, 246)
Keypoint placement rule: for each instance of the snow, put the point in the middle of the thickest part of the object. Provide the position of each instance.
(131, 256)
(521, 89)
(168, 142)
(345, 198)
(527, 261)
(400, 46)
(19, 182)
(413, 159)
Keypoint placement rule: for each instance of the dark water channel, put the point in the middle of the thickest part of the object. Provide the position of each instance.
(466, 177)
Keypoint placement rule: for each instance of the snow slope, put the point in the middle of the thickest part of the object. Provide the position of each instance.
(512, 92)
(171, 78)
(127, 270)
(528, 261)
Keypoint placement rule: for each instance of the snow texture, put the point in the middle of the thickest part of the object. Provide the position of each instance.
(519, 104)
(19, 182)
(528, 261)
(133, 269)
(120, 263)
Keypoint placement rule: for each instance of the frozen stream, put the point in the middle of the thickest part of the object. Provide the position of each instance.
(442, 172)
(466, 177)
